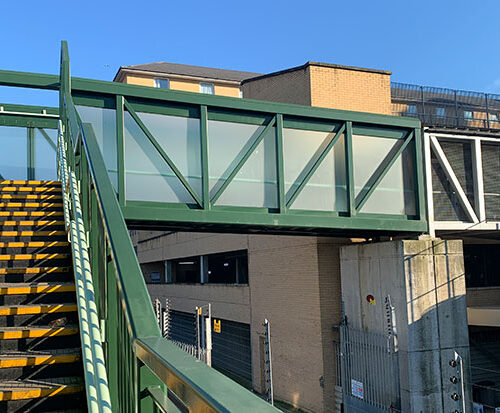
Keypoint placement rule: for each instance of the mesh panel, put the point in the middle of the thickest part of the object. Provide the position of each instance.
(446, 204)
(459, 156)
(491, 177)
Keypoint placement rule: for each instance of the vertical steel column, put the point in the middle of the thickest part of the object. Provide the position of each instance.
(477, 171)
(428, 184)
(456, 108)
(30, 156)
(280, 173)
(423, 102)
(351, 194)
(205, 178)
(120, 150)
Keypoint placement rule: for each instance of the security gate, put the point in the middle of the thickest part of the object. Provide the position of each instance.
(369, 371)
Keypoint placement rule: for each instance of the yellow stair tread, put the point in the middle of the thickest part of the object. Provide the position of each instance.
(36, 288)
(35, 270)
(29, 182)
(30, 213)
(31, 233)
(30, 204)
(31, 223)
(14, 257)
(33, 244)
(30, 196)
(16, 333)
(38, 358)
(30, 189)
(6, 310)
(33, 389)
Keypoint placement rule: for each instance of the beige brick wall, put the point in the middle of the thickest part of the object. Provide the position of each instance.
(290, 87)
(294, 282)
(185, 85)
(349, 89)
(328, 87)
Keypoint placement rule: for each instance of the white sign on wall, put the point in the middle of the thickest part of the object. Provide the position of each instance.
(357, 389)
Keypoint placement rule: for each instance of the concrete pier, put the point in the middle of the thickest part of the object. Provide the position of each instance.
(426, 282)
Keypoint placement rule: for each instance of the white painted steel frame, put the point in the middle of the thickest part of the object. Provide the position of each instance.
(476, 213)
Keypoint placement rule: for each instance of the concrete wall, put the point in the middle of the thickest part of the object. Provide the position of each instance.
(294, 282)
(426, 281)
(220, 88)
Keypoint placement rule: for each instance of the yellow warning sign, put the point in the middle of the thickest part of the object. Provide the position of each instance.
(216, 326)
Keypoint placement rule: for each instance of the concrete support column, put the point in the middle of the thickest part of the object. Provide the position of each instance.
(426, 282)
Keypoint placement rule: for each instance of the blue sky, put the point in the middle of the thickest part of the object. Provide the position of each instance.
(434, 43)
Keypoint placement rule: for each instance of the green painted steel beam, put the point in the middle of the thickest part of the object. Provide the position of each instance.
(243, 156)
(313, 165)
(29, 109)
(381, 172)
(137, 212)
(103, 88)
(131, 283)
(47, 139)
(163, 154)
(28, 121)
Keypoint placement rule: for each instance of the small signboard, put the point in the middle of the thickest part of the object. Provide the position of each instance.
(216, 326)
(357, 389)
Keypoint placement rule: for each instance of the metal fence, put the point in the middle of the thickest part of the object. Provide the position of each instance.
(440, 107)
(164, 319)
(369, 372)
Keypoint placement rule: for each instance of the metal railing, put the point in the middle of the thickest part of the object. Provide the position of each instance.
(145, 371)
(448, 108)
(96, 380)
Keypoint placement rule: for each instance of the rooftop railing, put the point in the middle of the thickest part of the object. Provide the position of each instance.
(447, 108)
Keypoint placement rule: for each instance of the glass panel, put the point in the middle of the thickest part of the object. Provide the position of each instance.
(104, 123)
(148, 177)
(180, 138)
(255, 183)
(326, 189)
(45, 155)
(395, 193)
(13, 158)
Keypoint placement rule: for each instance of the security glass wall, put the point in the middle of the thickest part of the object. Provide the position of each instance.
(27, 153)
(247, 162)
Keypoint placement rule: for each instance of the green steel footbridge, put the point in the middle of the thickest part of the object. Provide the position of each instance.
(137, 157)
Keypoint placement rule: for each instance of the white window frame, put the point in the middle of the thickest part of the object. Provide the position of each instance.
(207, 84)
(159, 80)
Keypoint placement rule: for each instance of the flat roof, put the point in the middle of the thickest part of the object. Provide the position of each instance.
(320, 64)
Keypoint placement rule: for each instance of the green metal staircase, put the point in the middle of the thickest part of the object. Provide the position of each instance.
(127, 366)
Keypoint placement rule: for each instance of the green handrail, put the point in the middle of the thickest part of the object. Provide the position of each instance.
(140, 362)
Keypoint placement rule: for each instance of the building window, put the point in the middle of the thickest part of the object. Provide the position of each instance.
(468, 114)
(185, 270)
(481, 265)
(207, 88)
(493, 117)
(228, 268)
(222, 268)
(440, 112)
(411, 109)
(162, 83)
(155, 277)
(240, 93)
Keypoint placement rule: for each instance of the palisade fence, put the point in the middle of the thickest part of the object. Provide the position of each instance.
(442, 107)
(164, 320)
(367, 370)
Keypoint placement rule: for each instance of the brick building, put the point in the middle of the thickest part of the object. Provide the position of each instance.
(295, 282)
